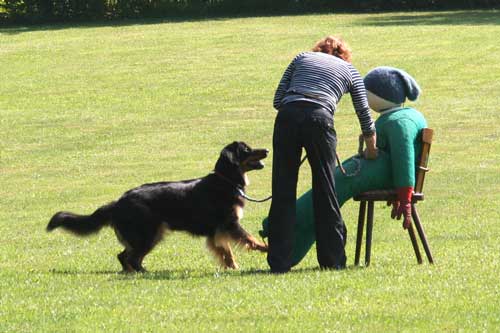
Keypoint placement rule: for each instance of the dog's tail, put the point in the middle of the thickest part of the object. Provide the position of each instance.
(82, 225)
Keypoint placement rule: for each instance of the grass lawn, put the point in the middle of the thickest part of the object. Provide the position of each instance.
(87, 112)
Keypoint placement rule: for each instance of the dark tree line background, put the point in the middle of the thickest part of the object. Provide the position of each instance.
(41, 11)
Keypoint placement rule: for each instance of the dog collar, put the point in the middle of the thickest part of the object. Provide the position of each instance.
(238, 186)
(240, 189)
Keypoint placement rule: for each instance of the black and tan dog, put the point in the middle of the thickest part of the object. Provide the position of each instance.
(211, 206)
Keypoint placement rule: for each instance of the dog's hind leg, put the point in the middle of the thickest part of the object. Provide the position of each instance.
(139, 239)
(123, 258)
(135, 260)
(152, 235)
(131, 259)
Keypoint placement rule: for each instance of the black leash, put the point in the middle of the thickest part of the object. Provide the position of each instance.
(356, 159)
(243, 194)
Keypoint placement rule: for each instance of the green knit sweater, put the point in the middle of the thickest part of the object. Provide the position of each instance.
(399, 135)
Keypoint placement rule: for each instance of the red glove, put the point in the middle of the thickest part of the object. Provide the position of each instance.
(402, 207)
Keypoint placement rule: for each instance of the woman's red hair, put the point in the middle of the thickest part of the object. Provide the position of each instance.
(334, 46)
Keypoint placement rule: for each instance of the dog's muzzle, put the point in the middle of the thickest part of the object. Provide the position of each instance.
(255, 160)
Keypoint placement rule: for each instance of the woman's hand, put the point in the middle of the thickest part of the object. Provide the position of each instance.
(371, 151)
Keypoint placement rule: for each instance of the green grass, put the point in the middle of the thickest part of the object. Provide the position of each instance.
(90, 111)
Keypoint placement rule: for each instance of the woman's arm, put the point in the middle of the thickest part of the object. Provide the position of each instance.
(284, 84)
(360, 103)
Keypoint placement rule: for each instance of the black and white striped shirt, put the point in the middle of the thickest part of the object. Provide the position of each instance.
(322, 79)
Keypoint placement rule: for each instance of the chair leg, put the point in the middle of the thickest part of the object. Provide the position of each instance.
(411, 232)
(421, 233)
(369, 229)
(359, 236)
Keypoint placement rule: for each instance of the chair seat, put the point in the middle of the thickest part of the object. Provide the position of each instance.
(384, 195)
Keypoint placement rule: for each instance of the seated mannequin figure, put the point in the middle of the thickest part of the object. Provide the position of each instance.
(399, 142)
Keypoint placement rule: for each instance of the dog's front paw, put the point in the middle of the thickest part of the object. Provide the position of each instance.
(262, 247)
(257, 246)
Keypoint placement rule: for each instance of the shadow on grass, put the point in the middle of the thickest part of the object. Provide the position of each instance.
(196, 274)
(14, 29)
(192, 274)
(489, 17)
(19, 29)
(460, 17)
(77, 272)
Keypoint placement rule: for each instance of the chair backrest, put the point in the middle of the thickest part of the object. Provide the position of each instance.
(424, 159)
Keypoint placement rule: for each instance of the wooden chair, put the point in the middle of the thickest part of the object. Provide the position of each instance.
(391, 195)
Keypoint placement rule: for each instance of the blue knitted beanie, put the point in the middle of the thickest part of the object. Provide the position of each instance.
(392, 84)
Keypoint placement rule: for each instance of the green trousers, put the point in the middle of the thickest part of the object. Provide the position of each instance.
(362, 175)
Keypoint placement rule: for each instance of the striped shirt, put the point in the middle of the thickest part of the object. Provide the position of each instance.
(322, 79)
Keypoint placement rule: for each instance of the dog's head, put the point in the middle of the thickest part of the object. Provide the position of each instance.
(238, 158)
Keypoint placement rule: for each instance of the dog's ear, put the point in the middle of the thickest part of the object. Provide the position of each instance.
(237, 147)
(242, 149)
(227, 158)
